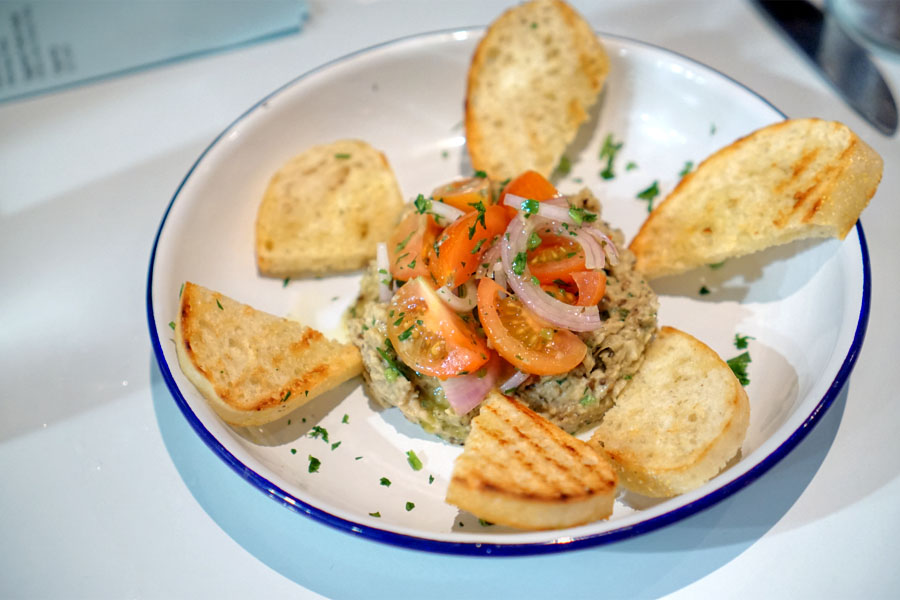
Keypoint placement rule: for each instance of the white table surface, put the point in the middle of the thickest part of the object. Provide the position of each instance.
(107, 493)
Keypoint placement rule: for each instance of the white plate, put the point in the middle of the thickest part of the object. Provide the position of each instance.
(805, 305)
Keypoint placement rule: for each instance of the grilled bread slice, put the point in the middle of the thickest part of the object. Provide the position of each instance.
(678, 422)
(520, 470)
(800, 178)
(326, 209)
(533, 78)
(253, 367)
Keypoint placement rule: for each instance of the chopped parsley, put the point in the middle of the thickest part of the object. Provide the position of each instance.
(484, 523)
(688, 166)
(318, 432)
(530, 207)
(649, 194)
(413, 461)
(375, 514)
(741, 341)
(631, 166)
(712, 129)
(393, 369)
(479, 206)
(181, 290)
(704, 290)
(580, 215)
(314, 464)
(342, 156)
(405, 334)
(410, 506)
(717, 265)
(172, 325)
(405, 241)
(286, 281)
(385, 482)
(430, 479)
(565, 165)
(219, 304)
(518, 265)
(293, 451)
(477, 247)
(481, 174)
(587, 399)
(608, 152)
(286, 396)
(423, 204)
(335, 445)
(738, 366)
(346, 419)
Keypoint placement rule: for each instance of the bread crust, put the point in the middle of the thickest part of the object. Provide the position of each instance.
(679, 421)
(796, 179)
(252, 367)
(533, 78)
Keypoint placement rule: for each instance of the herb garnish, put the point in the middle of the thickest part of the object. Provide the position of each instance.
(481, 174)
(738, 366)
(518, 265)
(335, 445)
(740, 341)
(413, 461)
(649, 194)
(342, 155)
(385, 482)
(534, 240)
(608, 152)
(172, 325)
(717, 265)
(376, 514)
(286, 396)
(314, 464)
(219, 304)
(346, 419)
(688, 166)
(423, 204)
(318, 431)
(530, 207)
(564, 166)
(410, 506)
(704, 290)
(580, 215)
(286, 281)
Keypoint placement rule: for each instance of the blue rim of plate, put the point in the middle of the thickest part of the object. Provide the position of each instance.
(482, 548)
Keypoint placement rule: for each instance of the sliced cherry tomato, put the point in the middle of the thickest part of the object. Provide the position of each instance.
(556, 258)
(524, 339)
(591, 287)
(530, 185)
(462, 244)
(410, 245)
(431, 338)
(464, 193)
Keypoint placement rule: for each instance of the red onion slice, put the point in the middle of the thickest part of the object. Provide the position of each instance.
(463, 302)
(518, 378)
(574, 318)
(465, 392)
(444, 213)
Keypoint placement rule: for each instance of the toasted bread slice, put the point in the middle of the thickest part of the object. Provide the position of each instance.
(326, 209)
(520, 470)
(253, 367)
(800, 178)
(532, 80)
(678, 422)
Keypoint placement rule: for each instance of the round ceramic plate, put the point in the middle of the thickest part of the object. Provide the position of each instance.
(803, 306)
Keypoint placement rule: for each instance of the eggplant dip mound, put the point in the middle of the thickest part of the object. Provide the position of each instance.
(576, 399)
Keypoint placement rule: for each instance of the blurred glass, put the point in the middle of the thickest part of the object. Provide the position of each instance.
(875, 20)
